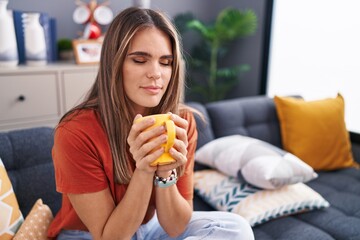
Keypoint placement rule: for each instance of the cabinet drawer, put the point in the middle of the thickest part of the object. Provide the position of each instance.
(28, 96)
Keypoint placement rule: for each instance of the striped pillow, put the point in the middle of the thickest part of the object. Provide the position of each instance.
(256, 205)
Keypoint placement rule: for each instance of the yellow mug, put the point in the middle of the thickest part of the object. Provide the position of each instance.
(163, 120)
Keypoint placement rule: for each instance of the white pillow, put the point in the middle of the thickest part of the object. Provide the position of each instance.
(259, 163)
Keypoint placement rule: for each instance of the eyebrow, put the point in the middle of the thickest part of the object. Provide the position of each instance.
(145, 54)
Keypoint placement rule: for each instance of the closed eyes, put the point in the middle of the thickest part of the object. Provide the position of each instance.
(164, 62)
(142, 57)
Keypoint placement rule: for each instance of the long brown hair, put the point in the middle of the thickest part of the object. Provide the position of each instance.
(108, 96)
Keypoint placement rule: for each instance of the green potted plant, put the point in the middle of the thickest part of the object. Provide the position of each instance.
(229, 25)
(65, 49)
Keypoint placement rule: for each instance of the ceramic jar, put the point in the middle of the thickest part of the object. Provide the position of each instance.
(8, 47)
(35, 45)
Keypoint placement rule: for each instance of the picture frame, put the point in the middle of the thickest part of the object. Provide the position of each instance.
(87, 51)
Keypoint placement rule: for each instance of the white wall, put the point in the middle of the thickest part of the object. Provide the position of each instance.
(315, 52)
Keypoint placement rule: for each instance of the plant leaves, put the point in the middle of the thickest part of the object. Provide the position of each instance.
(207, 32)
(214, 83)
(232, 23)
(232, 71)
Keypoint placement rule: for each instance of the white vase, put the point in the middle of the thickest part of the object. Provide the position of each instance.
(8, 47)
(142, 3)
(35, 46)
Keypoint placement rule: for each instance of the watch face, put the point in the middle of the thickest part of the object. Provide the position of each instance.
(81, 14)
(103, 15)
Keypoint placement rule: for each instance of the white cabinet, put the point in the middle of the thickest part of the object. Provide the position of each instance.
(75, 85)
(39, 96)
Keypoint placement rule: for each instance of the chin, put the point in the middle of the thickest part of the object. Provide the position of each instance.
(145, 101)
(150, 103)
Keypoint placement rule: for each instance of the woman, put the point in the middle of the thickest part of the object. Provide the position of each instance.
(102, 158)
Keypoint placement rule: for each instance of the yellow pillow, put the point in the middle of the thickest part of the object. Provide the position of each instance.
(36, 223)
(11, 217)
(315, 131)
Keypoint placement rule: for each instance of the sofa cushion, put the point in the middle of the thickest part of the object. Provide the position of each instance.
(290, 228)
(259, 163)
(26, 154)
(341, 188)
(251, 116)
(256, 205)
(315, 131)
(203, 124)
(11, 217)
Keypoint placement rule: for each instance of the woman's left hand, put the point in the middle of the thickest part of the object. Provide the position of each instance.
(179, 150)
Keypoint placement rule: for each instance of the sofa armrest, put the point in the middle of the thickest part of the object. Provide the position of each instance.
(355, 145)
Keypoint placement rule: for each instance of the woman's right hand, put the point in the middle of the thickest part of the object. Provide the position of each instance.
(142, 149)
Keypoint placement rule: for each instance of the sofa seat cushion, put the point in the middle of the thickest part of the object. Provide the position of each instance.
(342, 189)
(289, 228)
(341, 220)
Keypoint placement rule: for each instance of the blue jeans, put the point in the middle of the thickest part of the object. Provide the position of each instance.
(203, 225)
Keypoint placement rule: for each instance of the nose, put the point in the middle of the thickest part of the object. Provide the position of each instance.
(154, 71)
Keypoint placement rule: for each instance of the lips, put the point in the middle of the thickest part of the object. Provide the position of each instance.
(152, 89)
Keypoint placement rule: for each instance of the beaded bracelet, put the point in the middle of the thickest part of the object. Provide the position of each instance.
(166, 182)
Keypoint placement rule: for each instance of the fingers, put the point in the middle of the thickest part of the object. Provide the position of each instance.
(145, 142)
(179, 121)
(181, 128)
(139, 139)
(149, 146)
(137, 128)
(148, 159)
(179, 149)
(180, 158)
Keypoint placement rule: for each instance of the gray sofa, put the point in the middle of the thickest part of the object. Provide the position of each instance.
(27, 157)
(256, 117)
